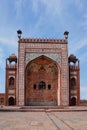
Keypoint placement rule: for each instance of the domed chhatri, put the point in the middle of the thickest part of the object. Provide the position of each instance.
(72, 58)
(12, 57)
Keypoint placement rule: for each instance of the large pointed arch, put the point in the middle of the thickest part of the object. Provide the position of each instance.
(42, 70)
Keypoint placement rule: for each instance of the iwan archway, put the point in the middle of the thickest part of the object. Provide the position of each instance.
(42, 82)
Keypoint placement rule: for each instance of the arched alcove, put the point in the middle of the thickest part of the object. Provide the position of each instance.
(11, 101)
(73, 101)
(39, 73)
(73, 82)
(11, 81)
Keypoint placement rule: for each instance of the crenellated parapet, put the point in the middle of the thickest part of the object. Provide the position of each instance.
(39, 40)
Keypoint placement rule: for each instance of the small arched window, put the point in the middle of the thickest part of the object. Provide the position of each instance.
(11, 101)
(49, 86)
(11, 81)
(42, 85)
(73, 101)
(73, 82)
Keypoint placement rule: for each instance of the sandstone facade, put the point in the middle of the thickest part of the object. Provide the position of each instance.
(41, 75)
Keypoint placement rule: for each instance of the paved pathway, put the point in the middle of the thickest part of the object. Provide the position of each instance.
(43, 120)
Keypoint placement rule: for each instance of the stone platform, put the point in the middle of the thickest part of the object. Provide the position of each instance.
(69, 118)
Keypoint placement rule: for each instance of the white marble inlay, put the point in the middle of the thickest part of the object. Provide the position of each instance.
(54, 56)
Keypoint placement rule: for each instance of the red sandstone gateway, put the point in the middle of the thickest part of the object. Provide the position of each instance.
(42, 74)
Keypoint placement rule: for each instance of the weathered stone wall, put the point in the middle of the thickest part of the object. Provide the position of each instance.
(74, 87)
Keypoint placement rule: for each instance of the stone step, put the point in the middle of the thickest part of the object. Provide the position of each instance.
(42, 109)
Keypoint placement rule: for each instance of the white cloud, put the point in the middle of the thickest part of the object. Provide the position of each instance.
(8, 41)
(81, 44)
(49, 16)
(8, 36)
(78, 45)
(18, 6)
(53, 7)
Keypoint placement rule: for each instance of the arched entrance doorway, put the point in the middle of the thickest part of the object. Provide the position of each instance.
(41, 82)
(73, 101)
(11, 101)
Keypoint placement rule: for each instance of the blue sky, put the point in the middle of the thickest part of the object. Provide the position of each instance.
(44, 19)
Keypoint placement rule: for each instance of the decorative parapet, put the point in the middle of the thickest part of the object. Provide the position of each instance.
(34, 40)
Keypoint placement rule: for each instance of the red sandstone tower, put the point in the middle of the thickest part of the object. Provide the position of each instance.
(11, 73)
(74, 81)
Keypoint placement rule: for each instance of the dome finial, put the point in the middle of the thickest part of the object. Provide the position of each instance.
(66, 34)
(19, 32)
